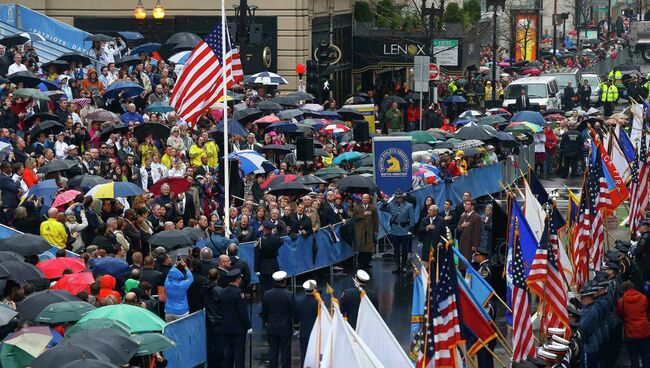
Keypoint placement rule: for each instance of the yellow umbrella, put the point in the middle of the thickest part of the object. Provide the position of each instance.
(115, 190)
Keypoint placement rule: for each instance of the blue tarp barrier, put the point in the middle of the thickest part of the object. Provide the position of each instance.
(189, 335)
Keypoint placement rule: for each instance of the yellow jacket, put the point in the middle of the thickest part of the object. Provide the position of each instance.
(488, 92)
(327, 160)
(147, 151)
(212, 151)
(54, 232)
(167, 161)
(608, 93)
(196, 153)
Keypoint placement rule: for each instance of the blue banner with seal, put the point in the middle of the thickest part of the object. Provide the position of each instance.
(393, 163)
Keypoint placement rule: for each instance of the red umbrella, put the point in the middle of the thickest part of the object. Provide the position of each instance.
(278, 179)
(531, 72)
(75, 282)
(176, 185)
(53, 268)
(65, 197)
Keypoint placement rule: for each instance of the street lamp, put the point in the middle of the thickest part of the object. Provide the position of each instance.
(158, 11)
(139, 12)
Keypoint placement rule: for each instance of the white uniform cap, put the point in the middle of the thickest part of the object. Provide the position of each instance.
(279, 275)
(363, 276)
(545, 354)
(309, 285)
(556, 331)
(556, 347)
(560, 340)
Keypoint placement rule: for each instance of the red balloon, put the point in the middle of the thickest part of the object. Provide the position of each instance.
(300, 68)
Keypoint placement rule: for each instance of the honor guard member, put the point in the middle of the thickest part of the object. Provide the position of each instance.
(589, 328)
(236, 323)
(611, 349)
(350, 298)
(481, 264)
(266, 255)
(278, 313)
(306, 314)
(402, 219)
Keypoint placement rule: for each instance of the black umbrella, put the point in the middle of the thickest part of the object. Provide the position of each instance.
(102, 115)
(194, 233)
(552, 111)
(25, 244)
(117, 347)
(357, 184)
(99, 37)
(420, 147)
(247, 115)
(20, 271)
(285, 101)
(269, 105)
(443, 145)
(129, 60)
(291, 113)
(506, 139)
(476, 132)
(10, 256)
(28, 79)
(60, 66)
(278, 148)
(171, 239)
(181, 38)
(511, 70)
(350, 114)
(183, 46)
(85, 181)
(87, 363)
(64, 353)
(291, 189)
(366, 161)
(56, 165)
(157, 130)
(42, 116)
(73, 57)
(13, 40)
(115, 129)
(311, 180)
(47, 127)
(390, 99)
(34, 304)
(302, 96)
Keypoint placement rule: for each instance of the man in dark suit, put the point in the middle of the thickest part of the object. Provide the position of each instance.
(236, 323)
(430, 230)
(328, 214)
(351, 298)
(250, 144)
(306, 314)
(204, 169)
(523, 102)
(223, 269)
(469, 231)
(278, 313)
(214, 320)
(266, 255)
(300, 223)
(150, 275)
(241, 264)
(10, 192)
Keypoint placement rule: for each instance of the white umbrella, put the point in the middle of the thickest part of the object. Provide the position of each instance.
(266, 78)
(251, 161)
(470, 114)
(312, 107)
(180, 58)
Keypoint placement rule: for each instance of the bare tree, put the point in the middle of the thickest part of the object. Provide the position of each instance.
(510, 26)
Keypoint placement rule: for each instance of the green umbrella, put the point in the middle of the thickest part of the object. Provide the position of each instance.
(454, 140)
(19, 349)
(490, 120)
(98, 324)
(138, 319)
(330, 172)
(420, 136)
(64, 312)
(151, 343)
(159, 107)
(363, 170)
(33, 93)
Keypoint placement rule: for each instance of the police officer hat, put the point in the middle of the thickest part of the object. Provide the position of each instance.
(614, 256)
(622, 246)
(218, 224)
(588, 291)
(279, 276)
(572, 310)
(233, 274)
(611, 266)
(268, 224)
(361, 277)
(309, 285)
(399, 193)
(483, 250)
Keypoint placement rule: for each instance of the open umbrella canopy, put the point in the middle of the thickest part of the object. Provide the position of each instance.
(137, 319)
(456, 99)
(347, 157)
(278, 148)
(56, 165)
(59, 66)
(302, 96)
(102, 115)
(66, 352)
(234, 128)
(98, 324)
(117, 347)
(291, 113)
(146, 47)
(41, 116)
(10, 256)
(150, 343)
(470, 143)
(25, 244)
(506, 139)
(159, 107)
(247, 115)
(46, 127)
(266, 78)
(176, 185)
(85, 182)
(32, 93)
(499, 111)
(291, 189)
(118, 128)
(64, 312)
(124, 88)
(34, 304)
(171, 239)
(6, 314)
(471, 114)
(492, 119)
(523, 127)
(285, 101)
(75, 282)
(464, 121)
(73, 57)
(269, 106)
(421, 136)
(20, 348)
(335, 128)
(100, 37)
(65, 197)
(357, 184)
(53, 268)
(21, 271)
(533, 117)
(251, 161)
(115, 190)
(13, 40)
(277, 179)
(267, 119)
(27, 79)
(330, 172)
(473, 131)
(311, 180)
(156, 130)
(128, 60)
(87, 363)
(109, 266)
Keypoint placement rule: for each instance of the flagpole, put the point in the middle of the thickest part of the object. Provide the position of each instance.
(224, 104)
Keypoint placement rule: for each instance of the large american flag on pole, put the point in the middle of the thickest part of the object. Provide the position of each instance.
(582, 237)
(598, 191)
(442, 333)
(639, 184)
(522, 328)
(206, 76)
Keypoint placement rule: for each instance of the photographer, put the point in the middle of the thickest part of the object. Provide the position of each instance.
(178, 281)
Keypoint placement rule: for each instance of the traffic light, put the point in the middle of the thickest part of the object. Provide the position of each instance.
(312, 76)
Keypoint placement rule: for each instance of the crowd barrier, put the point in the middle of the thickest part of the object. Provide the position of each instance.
(189, 335)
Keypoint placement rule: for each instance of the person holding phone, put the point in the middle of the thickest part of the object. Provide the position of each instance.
(178, 281)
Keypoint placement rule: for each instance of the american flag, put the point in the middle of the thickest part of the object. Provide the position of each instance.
(598, 191)
(442, 324)
(545, 279)
(201, 82)
(522, 328)
(639, 184)
(582, 237)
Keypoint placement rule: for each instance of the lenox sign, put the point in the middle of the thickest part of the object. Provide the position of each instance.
(404, 49)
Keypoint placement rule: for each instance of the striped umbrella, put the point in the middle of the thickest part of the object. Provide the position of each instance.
(274, 180)
(115, 190)
(266, 78)
(252, 161)
(335, 128)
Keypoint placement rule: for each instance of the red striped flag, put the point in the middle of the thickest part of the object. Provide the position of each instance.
(206, 77)
(639, 184)
(522, 328)
(598, 191)
(582, 237)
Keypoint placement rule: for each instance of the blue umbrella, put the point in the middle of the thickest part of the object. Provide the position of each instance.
(132, 89)
(330, 114)
(463, 121)
(455, 99)
(234, 128)
(47, 85)
(109, 266)
(252, 161)
(46, 189)
(131, 36)
(160, 107)
(347, 157)
(283, 126)
(147, 47)
(529, 116)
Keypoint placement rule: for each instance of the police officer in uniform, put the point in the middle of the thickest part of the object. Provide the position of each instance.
(589, 328)
(481, 263)
(351, 298)
(571, 145)
(611, 349)
(214, 319)
(236, 323)
(306, 314)
(402, 219)
(608, 96)
(266, 254)
(278, 313)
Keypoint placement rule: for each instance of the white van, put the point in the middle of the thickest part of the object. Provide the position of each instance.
(543, 91)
